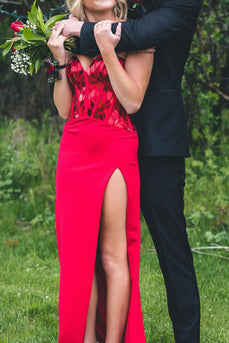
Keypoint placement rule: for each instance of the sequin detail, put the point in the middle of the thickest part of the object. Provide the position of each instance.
(93, 94)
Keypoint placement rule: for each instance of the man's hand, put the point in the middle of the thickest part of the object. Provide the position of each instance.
(72, 26)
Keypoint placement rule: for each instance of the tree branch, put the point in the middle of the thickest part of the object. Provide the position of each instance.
(212, 86)
(10, 2)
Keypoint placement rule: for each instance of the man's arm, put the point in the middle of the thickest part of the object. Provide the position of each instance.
(174, 19)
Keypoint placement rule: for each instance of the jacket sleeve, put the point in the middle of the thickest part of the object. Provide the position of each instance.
(174, 19)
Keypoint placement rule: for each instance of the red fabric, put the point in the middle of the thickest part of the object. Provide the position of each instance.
(93, 95)
(98, 138)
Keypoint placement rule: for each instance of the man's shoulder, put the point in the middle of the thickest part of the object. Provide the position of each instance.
(155, 4)
(185, 8)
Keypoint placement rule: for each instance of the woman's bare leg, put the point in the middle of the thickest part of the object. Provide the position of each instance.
(90, 333)
(113, 244)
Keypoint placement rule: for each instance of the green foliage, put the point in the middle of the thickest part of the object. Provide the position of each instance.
(5, 31)
(205, 85)
(28, 155)
(32, 40)
(207, 197)
(220, 238)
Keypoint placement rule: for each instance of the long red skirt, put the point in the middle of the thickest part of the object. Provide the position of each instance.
(90, 151)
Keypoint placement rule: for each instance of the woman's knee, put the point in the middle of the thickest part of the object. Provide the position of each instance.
(114, 262)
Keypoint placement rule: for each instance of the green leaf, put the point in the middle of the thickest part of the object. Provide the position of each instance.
(33, 14)
(35, 57)
(31, 69)
(41, 21)
(37, 53)
(48, 34)
(29, 35)
(38, 64)
(7, 49)
(16, 41)
(34, 10)
(32, 19)
(20, 46)
(70, 45)
(6, 44)
(51, 22)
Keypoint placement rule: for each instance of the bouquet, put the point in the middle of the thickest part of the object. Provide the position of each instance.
(29, 44)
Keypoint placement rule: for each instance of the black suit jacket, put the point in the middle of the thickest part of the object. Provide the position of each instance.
(169, 25)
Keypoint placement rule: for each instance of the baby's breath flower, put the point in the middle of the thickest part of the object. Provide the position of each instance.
(20, 62)
(30, 25)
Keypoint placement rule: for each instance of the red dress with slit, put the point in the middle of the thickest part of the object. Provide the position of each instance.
(98, 138)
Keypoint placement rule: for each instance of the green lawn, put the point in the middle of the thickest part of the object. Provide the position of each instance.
(213, 280)
(29, 273)
(29, 290)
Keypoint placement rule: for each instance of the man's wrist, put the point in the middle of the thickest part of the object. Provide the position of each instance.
(76, 29)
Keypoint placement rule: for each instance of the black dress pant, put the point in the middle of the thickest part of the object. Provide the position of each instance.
(162, 204)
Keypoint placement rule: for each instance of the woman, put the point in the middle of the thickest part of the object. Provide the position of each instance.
(98, 202)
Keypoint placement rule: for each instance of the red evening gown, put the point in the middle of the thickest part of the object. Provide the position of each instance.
(98, 138)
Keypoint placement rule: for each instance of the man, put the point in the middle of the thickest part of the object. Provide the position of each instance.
(169, 25)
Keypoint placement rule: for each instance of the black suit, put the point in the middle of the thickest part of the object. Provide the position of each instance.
(169, 25)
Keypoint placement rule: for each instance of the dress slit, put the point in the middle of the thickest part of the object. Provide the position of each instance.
(80, 321)
(91, 149)
(101, 281)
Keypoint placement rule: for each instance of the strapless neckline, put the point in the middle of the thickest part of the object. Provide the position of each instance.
(95, 59)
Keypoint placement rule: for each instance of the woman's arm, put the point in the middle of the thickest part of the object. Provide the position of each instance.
(129, 84)
(62, 91)
(62, 95)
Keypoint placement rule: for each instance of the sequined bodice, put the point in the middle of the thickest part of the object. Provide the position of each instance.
(93, 94)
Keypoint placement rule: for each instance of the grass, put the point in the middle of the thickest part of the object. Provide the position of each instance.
(29, 276)
(29, 291)
(213, 280)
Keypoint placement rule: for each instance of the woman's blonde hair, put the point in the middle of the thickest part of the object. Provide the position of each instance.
(77, 9)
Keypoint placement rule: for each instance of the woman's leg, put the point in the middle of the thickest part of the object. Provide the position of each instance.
(114, 257)
(90, 334)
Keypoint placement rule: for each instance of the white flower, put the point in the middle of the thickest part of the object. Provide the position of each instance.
(31, 26)
(20, 62)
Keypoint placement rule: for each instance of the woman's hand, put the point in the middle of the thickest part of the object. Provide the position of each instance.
(104, 37)
(56, 45)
